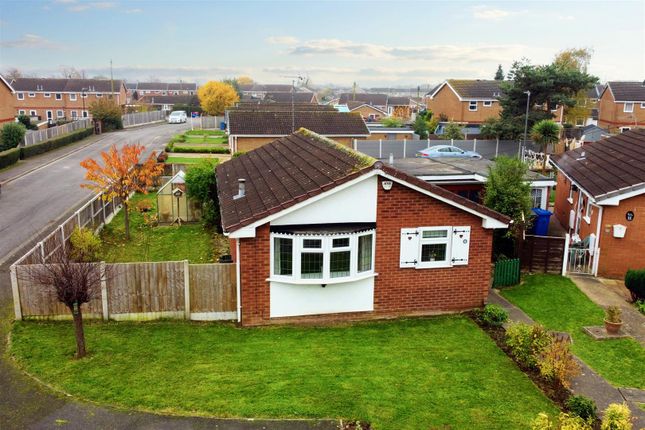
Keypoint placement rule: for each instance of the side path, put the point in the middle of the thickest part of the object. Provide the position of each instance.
(588, 383)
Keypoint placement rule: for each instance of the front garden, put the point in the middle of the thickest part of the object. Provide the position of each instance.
(405, 374)
(559, 305)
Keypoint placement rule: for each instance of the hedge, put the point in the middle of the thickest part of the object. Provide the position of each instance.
(635, 283)
(49, 145)
(9, 157)
(198, 150)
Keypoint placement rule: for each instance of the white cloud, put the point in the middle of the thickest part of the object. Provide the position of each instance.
(566, 17)
(282, 40)
(75, 6)
(135, 10)
(493, 14)
(30, 41)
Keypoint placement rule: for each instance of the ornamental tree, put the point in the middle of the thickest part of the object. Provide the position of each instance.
(121, 174)
(215, 97)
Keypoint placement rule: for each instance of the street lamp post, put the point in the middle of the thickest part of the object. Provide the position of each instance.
(526, 119)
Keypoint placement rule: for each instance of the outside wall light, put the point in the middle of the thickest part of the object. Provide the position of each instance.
(387, 185)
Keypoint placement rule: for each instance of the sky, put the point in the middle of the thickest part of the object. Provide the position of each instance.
(372, 43)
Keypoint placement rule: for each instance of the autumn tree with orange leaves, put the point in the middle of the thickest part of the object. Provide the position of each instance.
(121, 174)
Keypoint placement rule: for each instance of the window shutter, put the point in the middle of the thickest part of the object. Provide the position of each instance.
(460, 245)
(409, 247)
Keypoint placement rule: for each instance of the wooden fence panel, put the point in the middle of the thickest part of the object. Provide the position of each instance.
(212, 291)
(152, 289)
(543, 254)
(507, 272)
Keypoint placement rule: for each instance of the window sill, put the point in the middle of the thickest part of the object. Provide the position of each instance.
(570, 200)
(441, 265)
(330, 281)
(587, 219)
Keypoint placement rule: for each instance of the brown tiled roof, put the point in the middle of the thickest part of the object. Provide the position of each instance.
(398, 101)
(65, 85)
(262, 105)
(286, 97)
(476, 88)
(276, 88)
(295, 168)
(351, 105)
(170, 100)
(370, 99)
(609, 167)
(628, 91)
(327, 123)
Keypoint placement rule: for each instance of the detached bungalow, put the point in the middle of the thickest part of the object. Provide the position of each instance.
(320, 232)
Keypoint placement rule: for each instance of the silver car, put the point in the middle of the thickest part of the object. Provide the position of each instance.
(177, 117)
(438, 151)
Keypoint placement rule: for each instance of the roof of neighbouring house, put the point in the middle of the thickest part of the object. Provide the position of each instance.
(162, 86)
(282, 97)
(274, 88)
(271, 106)
(170, 100)
(7, 83)
(627, 91)
(607, 168)
(398, 101)
(66, 85)
(368, 98)
(276, 123)
(596, 91)
(353, 105)
(297, 167)
(471, 89)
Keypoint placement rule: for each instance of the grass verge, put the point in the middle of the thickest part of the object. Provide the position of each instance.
(556, 303)
(403, 374)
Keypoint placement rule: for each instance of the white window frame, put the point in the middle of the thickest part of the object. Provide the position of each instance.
(20, 96)
(326, 249)
(470, 106)
(32, 95)
(60, 113)
(435, 241)
(631, 109)
(487, 103)
(73, 114)
(624, 129)
(643, 105)
(99, 95)
(588, 211)
(21, 111)
(47, 95)
(536, 195)
(33, 112)
(570, 198)
(58, 96)
(85, 114)
(72, 97)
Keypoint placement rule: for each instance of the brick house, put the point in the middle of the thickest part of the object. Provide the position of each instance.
(320, 232)
(368, 112)
(600, 199)
(622, 106)
(137, 90)
(250, 129)
(53, 99)
(7, 97)
(167, 103)
(377, 100)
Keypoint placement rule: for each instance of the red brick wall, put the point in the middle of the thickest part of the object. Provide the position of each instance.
(397, 291)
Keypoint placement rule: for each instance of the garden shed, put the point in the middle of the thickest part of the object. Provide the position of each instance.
(173, 205)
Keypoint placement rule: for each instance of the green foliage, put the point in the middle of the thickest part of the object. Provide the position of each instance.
(452, 131)
(506, 190)
(583, 407)
(557, 364)
(613, 314)
(12, 135)
(9, 157)
(421, 127)
(616, 417)
(26, 121)
(499, 74)
(635, 283)
(527, 342)
(545, 132)
(392, 121)
(492, 315)
(197, 149)
(495, 128)
(49, 145)
(201, 185)
(238, 153)
(108, 112)
(85, 246)
(201, 132)
(640, 305)
(565, 422)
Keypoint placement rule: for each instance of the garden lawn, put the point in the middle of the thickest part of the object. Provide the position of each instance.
(403, 374)
(190, 242)
(188, 160)
(556, 303)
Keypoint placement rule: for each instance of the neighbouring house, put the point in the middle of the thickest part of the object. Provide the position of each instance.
(249, 129)
(401, 107)
(63, 99)
(379, 132)
(259, 91)
(467, 177)
(299, 97)
(622, 106)
(600, 200)
(167, 103)
(320, 232)
(465, 101)
(368, 112)
(136, 90)
(7, 101)
(377, 100)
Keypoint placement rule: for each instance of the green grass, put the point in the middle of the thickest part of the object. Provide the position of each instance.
(404, 374)
(205, 139)
(187, 160)
(205, 133)
(162, 243)
(558, 304)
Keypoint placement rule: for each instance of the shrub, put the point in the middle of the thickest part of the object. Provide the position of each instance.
(85, 245)
(108, 112)
(613, 314)
(26, 121)
(527, 342)
(635, 283)
(492, 315)
(556, 363)
(640, 305)
(198, 150)
(12, 135)
(565, 422)
(201, 186)
(616, 417)
(542, 422)
(392, 122)
(48, 145)
(144, 206)
(583, 407)
(9, 157)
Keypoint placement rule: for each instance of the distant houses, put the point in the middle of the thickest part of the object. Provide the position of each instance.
(622, 106)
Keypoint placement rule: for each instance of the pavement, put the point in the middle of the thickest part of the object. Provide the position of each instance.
(588, 383)
(37, 194)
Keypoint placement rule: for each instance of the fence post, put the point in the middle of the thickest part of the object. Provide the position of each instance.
(62, 236)
(565, 257)
(187, 289)
(496, 147)
(405, 141)
(17, 309)
(380, 148)
(355, 144)
(104, 293)
(474, 145)
(452, 142)
(428, 142)
(42, 250)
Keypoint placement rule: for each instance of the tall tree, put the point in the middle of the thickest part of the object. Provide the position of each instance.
(121, 174)
(244, 80)
(72, 73)
(12, 73)
(499, 74)
(544, 133)
(576, 59)
(215, 96)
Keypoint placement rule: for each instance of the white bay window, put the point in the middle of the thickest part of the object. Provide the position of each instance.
(324, 258)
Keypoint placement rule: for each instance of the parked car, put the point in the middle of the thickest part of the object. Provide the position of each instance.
(438, 151)
(177, 117)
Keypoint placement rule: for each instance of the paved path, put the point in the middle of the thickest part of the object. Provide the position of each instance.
(37, 194)
(588, 383)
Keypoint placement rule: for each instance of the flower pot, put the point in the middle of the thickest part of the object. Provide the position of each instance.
(612, 327)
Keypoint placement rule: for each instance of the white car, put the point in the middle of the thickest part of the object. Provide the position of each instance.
(177, 117)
